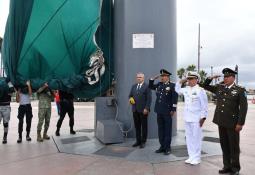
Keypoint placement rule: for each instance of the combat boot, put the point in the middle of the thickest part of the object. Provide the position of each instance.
(28, 138)
(72, 132)
(20, 138)
(5, 138)
(57, 132)
(45, 136)
(39, 137)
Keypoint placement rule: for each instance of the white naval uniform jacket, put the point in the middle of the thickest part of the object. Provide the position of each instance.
(196, 102)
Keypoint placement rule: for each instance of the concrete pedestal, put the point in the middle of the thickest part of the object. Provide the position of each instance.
(144, 41)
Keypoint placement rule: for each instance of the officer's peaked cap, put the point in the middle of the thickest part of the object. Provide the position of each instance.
(229, 72)
(164, 72)
(192, 74)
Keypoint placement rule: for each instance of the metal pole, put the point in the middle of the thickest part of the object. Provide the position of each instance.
(236, 69)
(198, 54)
(211, 70)
(1, 40)
(2, 70)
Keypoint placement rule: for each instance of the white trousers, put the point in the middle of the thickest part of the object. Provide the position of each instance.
(193, 133)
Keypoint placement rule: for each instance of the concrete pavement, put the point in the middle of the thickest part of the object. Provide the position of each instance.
(30, 158)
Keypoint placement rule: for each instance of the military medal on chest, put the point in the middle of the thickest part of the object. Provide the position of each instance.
(193, 96)
(167, 90)
(234, 92)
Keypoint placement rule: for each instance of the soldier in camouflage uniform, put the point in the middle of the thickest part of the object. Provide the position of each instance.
(44, 113)
(5, 108)
(230, 113)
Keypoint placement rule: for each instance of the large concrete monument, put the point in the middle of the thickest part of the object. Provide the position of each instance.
(144, 41)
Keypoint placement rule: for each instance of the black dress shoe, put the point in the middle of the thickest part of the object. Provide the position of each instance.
(167, 152)
(142, 145)
(28, 138)
(225, 171)
(4, 140)
(135, 144)
(235, 173)
(160, 150)
(57, 133)
(72, 132)
(19, 140)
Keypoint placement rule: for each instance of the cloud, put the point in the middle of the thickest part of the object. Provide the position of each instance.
(227, 35)
(4, 9)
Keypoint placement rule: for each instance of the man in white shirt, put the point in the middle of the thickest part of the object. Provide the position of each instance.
(23, 98)
(195, 113)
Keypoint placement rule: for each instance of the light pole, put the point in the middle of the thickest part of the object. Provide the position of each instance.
(1, 66)
(198, 50)
(211, 71)
(236, 69)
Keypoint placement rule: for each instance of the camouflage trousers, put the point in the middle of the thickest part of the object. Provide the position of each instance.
(44, 114)
(5, 113)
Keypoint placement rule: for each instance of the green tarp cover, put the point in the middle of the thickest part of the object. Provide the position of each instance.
(62, 42)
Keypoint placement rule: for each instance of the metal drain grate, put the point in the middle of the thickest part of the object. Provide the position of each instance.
(115, 151)
(181, 151)
(211, 139)
(85, 130)
(74, 140)
(204, 130)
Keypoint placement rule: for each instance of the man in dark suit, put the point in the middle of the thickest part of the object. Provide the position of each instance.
(140, 98)
(165, 107)
(230, 113)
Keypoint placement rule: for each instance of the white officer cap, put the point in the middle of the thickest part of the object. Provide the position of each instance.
(192, 74)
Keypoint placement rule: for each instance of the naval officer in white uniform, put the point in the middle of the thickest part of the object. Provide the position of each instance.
(195, 113)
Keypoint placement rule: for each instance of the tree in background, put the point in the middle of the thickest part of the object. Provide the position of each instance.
(191, 67)
(182, 72)
(203, 75)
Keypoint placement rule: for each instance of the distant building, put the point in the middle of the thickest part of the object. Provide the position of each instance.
(251, 91)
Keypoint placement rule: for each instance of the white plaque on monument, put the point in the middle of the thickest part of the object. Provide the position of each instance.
(143, 40)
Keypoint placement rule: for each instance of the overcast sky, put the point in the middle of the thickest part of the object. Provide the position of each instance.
(4, 9)
(227, 35)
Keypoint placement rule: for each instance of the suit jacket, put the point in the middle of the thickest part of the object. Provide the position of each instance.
(142, 97)
(166, 97)
(231, 105)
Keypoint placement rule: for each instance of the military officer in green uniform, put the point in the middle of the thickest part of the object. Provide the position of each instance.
(230, 113)
(45, 96)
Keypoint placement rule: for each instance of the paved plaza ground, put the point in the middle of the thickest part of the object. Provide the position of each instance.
(33, 158)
